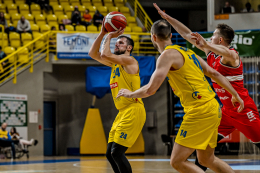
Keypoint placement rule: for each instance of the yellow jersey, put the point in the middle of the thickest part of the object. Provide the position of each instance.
(189, 82)
(120, 79)
(4, 134)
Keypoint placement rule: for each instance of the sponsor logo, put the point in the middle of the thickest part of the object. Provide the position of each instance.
(196, 95)
(75, 42)
(113, 85)
(224, 98)
(251, 116)
(220, 90)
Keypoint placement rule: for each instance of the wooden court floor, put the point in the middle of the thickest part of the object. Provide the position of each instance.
(140, 164)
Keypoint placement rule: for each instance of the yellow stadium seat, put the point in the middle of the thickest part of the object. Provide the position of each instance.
(137, 29)
(75, 4)
(119, 1)
(128, 29)
(7, 17)
(97, 1)
(132, 25)
(12, 8)
(69, 8)
(8, 2)
(15, 17)
(127, 14)
(54, 3)
(30, 18)
(40, 19)
(14, 40)
(24, 9)
(83, 1)
(35, 28)
(108, 4)
(80, 28)
(15, 24)
(110, 9)
(8, 51)
(92, 9)
(96, 4)
(130, 19)
(82, 8)
(61, 17)
(64, 4)
(35, 9)
(5, 39)
(87, 4)
(68, 13)
(135, 38)
(69, 27)
(52, 19)
(26, 38)
(44, 28)
(100, 27)
(58, 10)
(3, 8)
(92, 28)
(102, 10)
(23, 56)
(18, 2)
(55, 25)
(124, 10)
(118, 4)
(39, 44)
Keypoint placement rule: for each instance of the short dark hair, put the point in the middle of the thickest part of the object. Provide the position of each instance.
(129, 41)
(162, 29)
(226, 32)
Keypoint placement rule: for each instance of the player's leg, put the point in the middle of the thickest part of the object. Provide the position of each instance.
(208, 159)
(179, 160)
(110, 158)
(118, 154)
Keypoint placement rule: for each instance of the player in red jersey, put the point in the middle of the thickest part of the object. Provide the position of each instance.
(226, 61)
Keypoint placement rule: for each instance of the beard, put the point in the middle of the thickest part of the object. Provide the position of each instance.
(118, 52)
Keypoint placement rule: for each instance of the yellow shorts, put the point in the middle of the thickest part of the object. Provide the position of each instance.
(128, 125)
(200, 126)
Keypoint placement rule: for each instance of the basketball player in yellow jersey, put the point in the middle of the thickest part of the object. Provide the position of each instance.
(124, 74)
(185, 72)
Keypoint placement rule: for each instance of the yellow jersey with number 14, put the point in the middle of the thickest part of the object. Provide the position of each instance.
(189, 82)
(120, 79)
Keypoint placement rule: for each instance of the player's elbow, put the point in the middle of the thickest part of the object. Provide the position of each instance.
(104, 56)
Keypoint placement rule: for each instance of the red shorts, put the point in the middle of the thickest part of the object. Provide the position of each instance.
(247, 121)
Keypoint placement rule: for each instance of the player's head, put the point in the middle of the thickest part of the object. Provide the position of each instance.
(124, 45)
(3, 126)
(160, 32)
(223, 34)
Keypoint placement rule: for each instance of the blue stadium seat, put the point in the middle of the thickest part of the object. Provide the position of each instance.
(179, 124)
(178, 105)
(179, 115)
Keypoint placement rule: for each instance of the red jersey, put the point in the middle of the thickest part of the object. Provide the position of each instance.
(234, 76)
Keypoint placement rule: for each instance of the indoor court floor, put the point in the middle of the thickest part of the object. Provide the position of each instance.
(140, 164)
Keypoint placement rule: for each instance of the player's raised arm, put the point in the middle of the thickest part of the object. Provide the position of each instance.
(223, 82)
(184, 31)
(94, 50)
(122, 59)
(224, 51)
(163, 66)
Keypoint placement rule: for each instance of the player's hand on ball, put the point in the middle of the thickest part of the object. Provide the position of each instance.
(163, 14)
(237, 99)
(124, 93)
(117, 33)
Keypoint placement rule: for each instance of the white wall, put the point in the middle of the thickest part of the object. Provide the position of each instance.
(238, 21)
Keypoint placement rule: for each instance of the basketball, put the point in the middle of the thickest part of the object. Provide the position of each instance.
(115, 20)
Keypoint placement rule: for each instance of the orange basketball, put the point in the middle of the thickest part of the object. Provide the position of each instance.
(115, 20)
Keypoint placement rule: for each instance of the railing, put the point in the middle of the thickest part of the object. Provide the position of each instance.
(141, 14)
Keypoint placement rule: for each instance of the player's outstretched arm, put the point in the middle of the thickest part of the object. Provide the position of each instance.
(229, 55)
(223, 82)
(184, 31)
(107, 55)
(94, 50)
(163, 65)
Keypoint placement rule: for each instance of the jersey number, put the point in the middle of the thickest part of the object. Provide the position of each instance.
(116, 72)
(123, 135)
(183, 133)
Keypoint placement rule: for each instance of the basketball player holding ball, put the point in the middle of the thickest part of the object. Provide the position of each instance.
(129, 121)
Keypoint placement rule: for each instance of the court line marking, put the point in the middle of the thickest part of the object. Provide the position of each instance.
(192, 160)
(26, 171)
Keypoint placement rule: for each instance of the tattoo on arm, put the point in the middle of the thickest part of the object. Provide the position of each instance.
(103, 46)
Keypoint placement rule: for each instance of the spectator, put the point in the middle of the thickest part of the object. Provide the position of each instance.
(228, 8)
(97, 18)
(23, 26)
(45, 5)
(3, 64)
(248, 8)
(5, 139)
(15, 136)
(62, 27)
(52, 39)
(76, 16)
(3, 22)
(87, 17)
